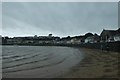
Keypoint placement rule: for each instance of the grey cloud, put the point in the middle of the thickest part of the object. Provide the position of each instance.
(61, 19)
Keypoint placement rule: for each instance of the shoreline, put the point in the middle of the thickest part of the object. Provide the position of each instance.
(95, 65)
(108, 46)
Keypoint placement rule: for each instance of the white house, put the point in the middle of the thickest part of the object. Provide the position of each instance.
(89, 40)
(75, 41)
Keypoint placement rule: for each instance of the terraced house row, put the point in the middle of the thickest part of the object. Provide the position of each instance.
(105, 36)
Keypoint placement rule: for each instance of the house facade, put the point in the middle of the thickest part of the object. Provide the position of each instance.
(110, 35)
(117, 38)
(0, 39)
(89, 39)
(92, 39)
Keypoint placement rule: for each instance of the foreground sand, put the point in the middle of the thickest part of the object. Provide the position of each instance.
(96, 64)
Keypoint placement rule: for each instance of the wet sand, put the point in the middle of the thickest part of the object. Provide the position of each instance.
(96, 64)
(38, 61)
(70, 64)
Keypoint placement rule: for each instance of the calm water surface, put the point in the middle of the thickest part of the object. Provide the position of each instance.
(38, 61)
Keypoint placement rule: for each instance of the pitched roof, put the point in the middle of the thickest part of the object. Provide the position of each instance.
(111, 32)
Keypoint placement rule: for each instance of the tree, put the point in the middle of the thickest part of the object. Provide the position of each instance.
(88, 35)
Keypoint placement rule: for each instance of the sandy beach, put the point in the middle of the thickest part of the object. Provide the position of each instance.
(66, 63)
(96, 64)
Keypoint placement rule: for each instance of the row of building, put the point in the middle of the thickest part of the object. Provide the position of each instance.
(105, 36)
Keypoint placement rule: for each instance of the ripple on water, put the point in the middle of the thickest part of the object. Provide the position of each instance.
(42, 58)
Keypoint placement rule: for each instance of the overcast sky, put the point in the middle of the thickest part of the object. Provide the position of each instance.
(60, 19)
